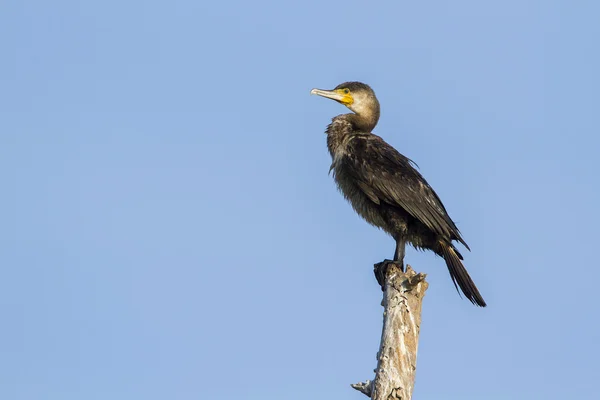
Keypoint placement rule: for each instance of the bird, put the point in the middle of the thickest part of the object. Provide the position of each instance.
(384, 187)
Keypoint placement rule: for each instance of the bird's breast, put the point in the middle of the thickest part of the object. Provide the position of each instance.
(351, 190)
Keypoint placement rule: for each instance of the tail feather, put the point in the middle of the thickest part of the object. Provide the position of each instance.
(460, 276)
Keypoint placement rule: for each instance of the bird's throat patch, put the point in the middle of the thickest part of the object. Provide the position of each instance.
(347, 98)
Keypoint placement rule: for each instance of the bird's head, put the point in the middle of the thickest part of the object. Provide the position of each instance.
(357, 96)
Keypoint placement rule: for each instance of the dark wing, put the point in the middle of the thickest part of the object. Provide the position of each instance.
(384, 174)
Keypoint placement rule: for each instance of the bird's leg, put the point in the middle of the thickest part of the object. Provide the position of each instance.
(381, 268)
(399, 255)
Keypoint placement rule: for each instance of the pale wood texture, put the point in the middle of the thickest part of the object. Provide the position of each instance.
(397, 356)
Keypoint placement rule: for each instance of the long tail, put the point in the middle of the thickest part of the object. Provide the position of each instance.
(459, 274)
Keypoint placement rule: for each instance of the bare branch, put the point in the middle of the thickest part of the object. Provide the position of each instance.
(363, 387)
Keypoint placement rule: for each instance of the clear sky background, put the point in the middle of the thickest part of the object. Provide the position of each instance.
(169, 229)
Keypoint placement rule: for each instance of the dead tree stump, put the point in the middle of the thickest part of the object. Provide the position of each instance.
(397, 357)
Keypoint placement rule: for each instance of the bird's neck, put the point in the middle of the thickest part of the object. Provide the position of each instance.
(365, 121)
(344, 126)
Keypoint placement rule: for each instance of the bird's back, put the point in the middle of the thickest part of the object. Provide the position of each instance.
(372, 174)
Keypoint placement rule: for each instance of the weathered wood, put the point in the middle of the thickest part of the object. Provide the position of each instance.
(397, 356)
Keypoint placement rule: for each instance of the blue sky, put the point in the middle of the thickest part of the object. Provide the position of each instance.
(170, 231)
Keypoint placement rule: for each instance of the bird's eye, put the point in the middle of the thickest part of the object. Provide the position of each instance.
(346, 91)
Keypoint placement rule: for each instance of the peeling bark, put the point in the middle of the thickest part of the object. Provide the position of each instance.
(397, 356)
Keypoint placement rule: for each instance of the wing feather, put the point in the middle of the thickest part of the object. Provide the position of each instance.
(386, 175)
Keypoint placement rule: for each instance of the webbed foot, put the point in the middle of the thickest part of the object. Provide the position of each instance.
(380, 270)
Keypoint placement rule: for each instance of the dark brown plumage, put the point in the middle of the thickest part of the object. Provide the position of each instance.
(384, 187)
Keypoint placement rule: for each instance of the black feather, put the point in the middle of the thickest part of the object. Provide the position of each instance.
(460, 276)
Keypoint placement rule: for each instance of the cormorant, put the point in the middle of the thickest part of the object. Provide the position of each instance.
(385, 189)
